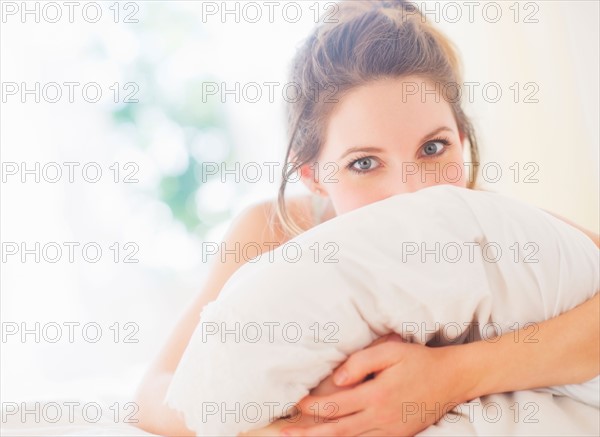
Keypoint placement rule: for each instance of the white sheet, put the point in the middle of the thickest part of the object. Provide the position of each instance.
(111, 416)
(523, 413)
(373, 289)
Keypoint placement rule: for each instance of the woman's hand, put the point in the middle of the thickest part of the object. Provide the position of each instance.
(413, 387)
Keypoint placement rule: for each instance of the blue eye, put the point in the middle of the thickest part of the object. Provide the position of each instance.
(363, 165)
(435, 147)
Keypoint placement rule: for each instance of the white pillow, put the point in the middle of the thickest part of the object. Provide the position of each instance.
(281, 324)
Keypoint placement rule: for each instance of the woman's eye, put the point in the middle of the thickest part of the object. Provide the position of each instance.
(433, 148)
(364, 164)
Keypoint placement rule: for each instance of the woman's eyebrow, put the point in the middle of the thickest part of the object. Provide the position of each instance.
(360, 149)
(377, 149)
(436, 131)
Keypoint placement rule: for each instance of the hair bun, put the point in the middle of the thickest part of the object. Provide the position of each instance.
(394, 3)
(397, 4)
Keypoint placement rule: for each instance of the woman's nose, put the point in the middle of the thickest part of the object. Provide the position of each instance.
(402, 184)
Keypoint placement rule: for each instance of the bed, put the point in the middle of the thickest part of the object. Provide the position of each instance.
(370, 300)
(523, 413)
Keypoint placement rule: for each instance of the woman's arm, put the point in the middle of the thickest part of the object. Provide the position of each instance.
(565, 350)
(252, 226)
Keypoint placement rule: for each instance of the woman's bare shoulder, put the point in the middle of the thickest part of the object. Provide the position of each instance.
(263, 217)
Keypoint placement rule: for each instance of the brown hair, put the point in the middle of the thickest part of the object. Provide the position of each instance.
(366, 41)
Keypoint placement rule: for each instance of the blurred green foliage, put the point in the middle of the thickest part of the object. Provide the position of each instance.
(164, 30)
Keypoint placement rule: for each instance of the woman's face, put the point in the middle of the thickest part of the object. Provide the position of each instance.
(384, 139)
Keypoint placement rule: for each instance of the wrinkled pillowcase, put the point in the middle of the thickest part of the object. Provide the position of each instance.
(442, 265)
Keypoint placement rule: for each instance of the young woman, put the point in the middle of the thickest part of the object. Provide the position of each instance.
(358, 135)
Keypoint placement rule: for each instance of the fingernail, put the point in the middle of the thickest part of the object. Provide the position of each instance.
(341, 377)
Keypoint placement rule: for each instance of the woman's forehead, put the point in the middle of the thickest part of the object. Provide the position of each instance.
(382, 111)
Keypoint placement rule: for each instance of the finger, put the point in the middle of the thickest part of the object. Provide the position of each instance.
(327, 387)
(337, 404)
(366, 361)
(384, 338)
(344, 426)
(388, 337)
